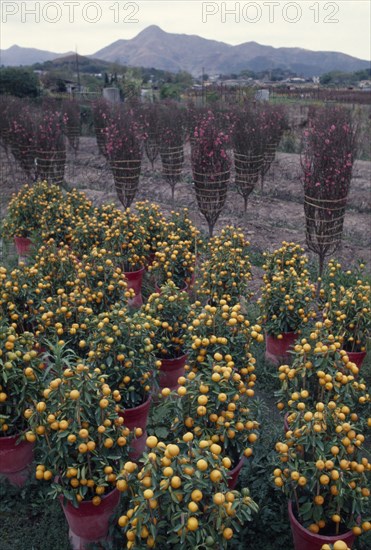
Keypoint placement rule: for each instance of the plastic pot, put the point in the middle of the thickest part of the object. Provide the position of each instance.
(170, 371)
(137, 447)
(234, 473)
(137, 417)
(23, 246)
(15, 459)
(134, 281)
(89, 523)
(357, 357)
(278, 349)
(305, 540)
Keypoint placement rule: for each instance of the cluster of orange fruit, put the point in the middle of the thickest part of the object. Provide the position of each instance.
(325, 466)
(181, 495)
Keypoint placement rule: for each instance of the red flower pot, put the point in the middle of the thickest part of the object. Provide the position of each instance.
(357, 357)
(170, 371)
(89, 523)
(277, 349)
(22, 245)
(234, 473)
(305, 540)
(137, 447)
(15, 459)
(137, 417)
(134, 281)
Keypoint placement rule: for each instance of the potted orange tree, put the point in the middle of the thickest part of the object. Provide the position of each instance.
(226, 270)
(121, 345)
(174, 261)
(346, 296)
(154, 222)
(21, 373)
(181, 498)
(127, 240)
(169, 310)
(61, 215)
(217, 388)
(286, 301)
(82, 445)
(25, 214)
(324, 469)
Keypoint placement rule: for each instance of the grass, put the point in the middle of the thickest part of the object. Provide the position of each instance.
(30, 520)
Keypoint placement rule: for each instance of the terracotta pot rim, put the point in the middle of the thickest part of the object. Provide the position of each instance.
(136, 272)
(184, 355)
(318, 538)
(85, 503)
(14, 436)
(146, 403)
(22, 238)
(274, 336)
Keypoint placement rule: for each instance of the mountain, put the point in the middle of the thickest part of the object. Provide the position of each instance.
(69, 62)
(16, 56)
(154, 47)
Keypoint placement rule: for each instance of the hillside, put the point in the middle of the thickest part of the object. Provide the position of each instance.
(155, 48)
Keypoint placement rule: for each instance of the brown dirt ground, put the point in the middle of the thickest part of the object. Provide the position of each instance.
(274, 214)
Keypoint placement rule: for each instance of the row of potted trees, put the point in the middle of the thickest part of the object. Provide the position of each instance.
(172, 248)
(323, 462)
(102, 355)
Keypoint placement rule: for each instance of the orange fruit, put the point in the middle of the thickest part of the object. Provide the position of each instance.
(74, 395)
(196, 495)
(192, 523)
(219, 498)
(227, 533)
(173, 450)
(151, 441)
(215, 476)
(192, 507)
(202, 464)
(175, 482)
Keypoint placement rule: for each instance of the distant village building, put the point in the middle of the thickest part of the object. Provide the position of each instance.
(262, 95)
(112, 95)
(365, 85)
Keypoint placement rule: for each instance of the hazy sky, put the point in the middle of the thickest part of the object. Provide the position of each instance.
(65, 25)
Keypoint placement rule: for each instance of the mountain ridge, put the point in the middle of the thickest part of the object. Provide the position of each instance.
(154, 47)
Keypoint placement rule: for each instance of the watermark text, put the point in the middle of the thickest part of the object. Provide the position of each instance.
(269, 12)
(71, 11)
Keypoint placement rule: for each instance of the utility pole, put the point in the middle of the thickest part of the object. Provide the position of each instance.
(203, 87)
(78, 70)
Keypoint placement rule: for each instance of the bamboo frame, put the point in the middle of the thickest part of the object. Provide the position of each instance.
(126, 174)
(211, 195)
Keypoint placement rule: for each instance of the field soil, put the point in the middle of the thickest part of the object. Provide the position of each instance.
(275, 210)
